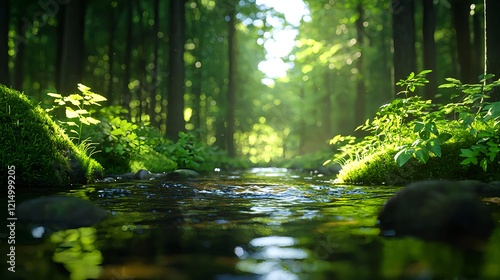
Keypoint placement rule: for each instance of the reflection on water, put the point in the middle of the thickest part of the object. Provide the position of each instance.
(266, 223)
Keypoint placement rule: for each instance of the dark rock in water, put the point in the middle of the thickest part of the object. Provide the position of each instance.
(444, 211)
(60, 211)
(143, 175)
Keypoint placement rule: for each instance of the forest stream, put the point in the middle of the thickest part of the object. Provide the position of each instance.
(262, 223)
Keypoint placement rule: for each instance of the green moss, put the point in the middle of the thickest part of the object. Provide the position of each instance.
(41, 152)
(380, 168)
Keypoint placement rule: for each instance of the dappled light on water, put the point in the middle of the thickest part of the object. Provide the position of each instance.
(264, 223)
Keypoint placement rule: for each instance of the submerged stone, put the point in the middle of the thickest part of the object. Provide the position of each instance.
(440, 210)
(60, 211)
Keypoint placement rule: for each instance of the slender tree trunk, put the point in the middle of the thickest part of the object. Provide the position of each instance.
(175, 105)
(493, 43)
(126, 92)
(359, 110)
(477, 42)
(155, 121)
(19, 58)
(141, 91)
(386, 66)
(461, 12)
(111, 54)
(198, 73)
(59, 47)
(231, 93)
(428, 29)
(4, 39)
(72, 60)
(403, 30)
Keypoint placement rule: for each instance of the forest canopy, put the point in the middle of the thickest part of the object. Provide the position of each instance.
(255, 78)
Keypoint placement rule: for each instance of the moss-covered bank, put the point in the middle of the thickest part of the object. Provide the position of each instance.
(41, 152)
(381, 168)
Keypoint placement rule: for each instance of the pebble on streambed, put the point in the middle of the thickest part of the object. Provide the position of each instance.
(445, 211)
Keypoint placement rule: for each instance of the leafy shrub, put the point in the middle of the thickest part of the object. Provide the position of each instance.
(416, 128)
(121, 145)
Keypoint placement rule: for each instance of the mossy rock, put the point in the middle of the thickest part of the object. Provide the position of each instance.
(381, 168)
(41, 152)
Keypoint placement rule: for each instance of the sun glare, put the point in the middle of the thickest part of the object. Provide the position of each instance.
(282, 39)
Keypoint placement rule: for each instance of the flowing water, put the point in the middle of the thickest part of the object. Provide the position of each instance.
(265, 223)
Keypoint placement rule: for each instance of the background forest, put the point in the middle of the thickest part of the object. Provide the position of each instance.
(205, 66)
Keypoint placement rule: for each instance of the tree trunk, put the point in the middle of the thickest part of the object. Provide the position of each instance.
(111, 56)
(359, 110)
(175, 105)
(403, 28)
(429, 46)
(59, 47)
(231, 93)
(142, 73)
(493, 43)
(154, 74)
(126, 92)
(72, 57)
(4, 39)
(198, 30)
(461, 10)
(19, 58)
(477, 41)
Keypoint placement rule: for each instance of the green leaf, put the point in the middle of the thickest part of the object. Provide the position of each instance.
(468, 161)
(435, 148)
(455, 81)
(443, 137)
(447, 86)
(432, 128)
(92, 120)
(425, 135)
(83, 88)
(74, 96)
(117, 131)
(56, 95)
(82, 112)
(97, 98)
(402, 157)
(467, 153)
(418, 126)
(422, 155)
(70, 113)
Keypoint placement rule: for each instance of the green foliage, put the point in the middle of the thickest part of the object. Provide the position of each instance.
(416, 128)
(409, 125)
(482, 121)
(128, 146)
(190, 152)
(75, 106)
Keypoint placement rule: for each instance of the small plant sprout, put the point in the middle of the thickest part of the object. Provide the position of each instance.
(76, 105)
